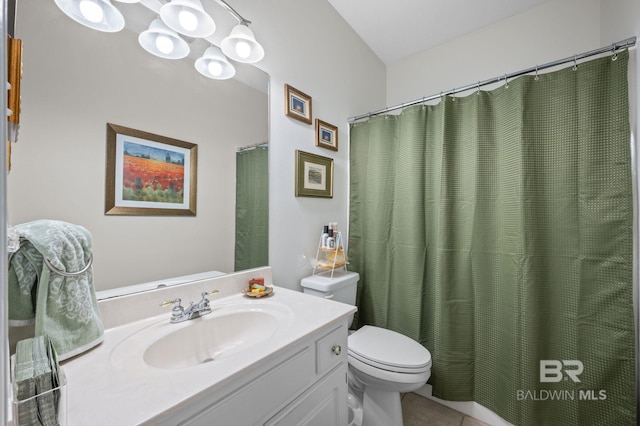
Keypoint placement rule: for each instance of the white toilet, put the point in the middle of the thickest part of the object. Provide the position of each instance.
(382, 363)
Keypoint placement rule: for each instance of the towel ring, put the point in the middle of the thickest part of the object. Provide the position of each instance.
(69, 274)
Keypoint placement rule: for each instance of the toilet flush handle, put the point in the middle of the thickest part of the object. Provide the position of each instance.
(329, 296)
(337, 349)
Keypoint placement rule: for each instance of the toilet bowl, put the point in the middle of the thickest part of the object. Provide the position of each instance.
(354, 406)
(382, 363)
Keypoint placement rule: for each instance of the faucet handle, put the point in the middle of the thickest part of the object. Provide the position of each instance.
(177, 312)
(175, 302)
(203, 305)
(204, 295)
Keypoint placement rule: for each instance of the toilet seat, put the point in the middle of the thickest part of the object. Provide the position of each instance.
(388, 350)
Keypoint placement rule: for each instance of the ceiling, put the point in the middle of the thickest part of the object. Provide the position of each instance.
(399, 28)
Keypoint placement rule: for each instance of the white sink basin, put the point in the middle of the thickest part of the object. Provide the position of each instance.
(228, 330)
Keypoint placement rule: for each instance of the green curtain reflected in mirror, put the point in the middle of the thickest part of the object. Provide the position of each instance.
(252, 207)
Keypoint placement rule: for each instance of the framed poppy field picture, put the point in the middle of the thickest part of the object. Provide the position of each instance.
(149, 174)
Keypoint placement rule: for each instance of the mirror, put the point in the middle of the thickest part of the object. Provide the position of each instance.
(75, 81)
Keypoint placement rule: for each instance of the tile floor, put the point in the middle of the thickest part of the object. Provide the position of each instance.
(420, 411)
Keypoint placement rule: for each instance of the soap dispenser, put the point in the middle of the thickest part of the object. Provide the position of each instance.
(325, 235)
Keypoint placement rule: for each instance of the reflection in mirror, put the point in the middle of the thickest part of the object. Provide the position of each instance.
(252, 207)
(74, 82)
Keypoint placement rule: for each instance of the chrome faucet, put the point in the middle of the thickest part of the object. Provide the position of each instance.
(180, 314)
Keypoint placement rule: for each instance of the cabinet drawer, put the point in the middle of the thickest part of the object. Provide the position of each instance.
(331, 349)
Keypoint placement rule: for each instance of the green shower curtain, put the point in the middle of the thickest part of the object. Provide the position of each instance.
(252, 208)
(496, 229)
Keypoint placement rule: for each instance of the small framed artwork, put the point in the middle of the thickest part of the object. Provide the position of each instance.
(297, 104)
(149, 174)
(314, 175)
(326, 135)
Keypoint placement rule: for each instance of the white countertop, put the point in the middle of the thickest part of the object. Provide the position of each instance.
(104, 389)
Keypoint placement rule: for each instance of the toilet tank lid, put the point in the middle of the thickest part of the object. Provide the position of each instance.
(324, 281)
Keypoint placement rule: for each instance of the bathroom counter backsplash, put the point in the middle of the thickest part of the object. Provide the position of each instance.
(101, 391)
(128, 308)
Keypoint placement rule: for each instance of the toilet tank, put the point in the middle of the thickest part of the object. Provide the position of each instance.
(341, 287)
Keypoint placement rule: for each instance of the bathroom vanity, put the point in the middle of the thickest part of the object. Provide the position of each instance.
(278, 360)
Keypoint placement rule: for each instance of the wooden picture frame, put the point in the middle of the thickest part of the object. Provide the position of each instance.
(326, 135)
(14, 77)
(149, 174)
(314, 175)
(297, 104)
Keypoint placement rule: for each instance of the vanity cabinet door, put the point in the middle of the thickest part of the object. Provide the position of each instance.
(255, 400)
(323, 404)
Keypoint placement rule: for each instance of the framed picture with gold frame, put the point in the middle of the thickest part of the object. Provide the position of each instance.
(149, 174)
(326, 135)
(314, 175)
(297, 104)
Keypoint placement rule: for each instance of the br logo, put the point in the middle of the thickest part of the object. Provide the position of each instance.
(553, 370)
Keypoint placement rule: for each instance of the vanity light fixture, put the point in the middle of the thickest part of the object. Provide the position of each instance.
(99, 15)
(213, 64)
(163, 42)
(241, 45)
(187, 17)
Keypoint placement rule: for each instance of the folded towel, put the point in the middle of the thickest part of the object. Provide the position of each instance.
(62, 307)
(37, 385)
(46, 399)
(25, 384)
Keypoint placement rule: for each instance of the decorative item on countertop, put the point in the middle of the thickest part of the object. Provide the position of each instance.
(257, 288)
(38, 384)
(51, 285)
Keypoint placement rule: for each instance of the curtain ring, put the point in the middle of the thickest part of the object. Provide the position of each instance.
(615, 53)
(478, 89)
(453, 98)
(506, 82)
(575, 63)
(537, 78)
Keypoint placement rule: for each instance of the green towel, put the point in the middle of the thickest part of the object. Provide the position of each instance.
(36, 382)
(25, 384)
(46, 397)
(64, 308)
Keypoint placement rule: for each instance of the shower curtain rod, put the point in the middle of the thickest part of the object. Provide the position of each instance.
(630, 42)
(255, 145)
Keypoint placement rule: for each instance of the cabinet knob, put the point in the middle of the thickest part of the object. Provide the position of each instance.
(337, 349)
